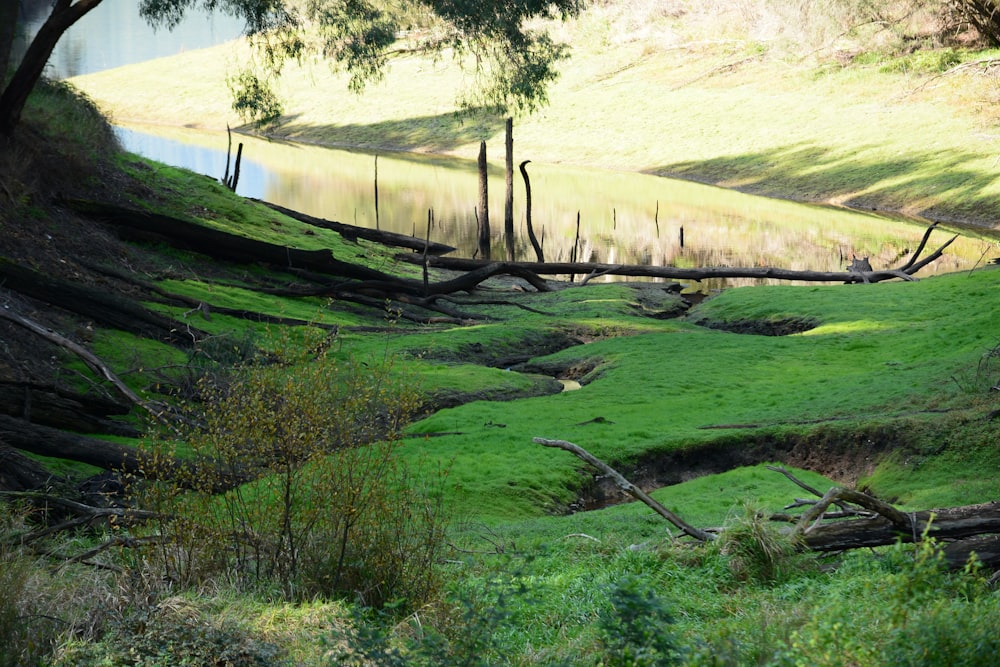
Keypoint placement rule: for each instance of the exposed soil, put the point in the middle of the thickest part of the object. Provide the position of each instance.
(844, 455)
(780, 327)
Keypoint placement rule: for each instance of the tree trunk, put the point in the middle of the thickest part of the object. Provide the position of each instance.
(508, 206)
(101, 307)
(64, 14)
(539, 255)
(187, 235)
(8, 30)
(484, 205)
(19, 473)
(61, 408)
(46, 441)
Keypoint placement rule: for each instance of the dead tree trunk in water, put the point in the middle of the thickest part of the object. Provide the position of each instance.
(484, 201)
(539, 255)
(508, 206)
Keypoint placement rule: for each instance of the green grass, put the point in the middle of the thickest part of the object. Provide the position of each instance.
(891, 366)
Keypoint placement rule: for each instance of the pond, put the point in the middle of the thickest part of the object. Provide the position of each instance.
(624, 218)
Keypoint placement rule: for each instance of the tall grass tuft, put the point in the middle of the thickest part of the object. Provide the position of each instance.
(757, 552)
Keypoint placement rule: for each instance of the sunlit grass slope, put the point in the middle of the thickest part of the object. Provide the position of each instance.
(887, 352)
(892, 352)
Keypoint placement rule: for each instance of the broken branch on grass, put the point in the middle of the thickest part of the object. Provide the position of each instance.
(627, 486)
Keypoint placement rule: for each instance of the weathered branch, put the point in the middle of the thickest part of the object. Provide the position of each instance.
(973, 528)
(82, 514)
(90, 359)
(627, 486)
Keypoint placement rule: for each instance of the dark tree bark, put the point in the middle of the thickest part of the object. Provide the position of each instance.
(187, 235)
(20, 473)
(484, 205)
(64, 409)
(508, 204)
(64, 14)
(539, 255)
(47, 441)
(8, 30)
(103, 308)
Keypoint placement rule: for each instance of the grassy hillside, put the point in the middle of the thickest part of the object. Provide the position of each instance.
(887, 387)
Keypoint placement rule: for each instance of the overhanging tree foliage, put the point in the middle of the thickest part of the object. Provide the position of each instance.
(513, 63)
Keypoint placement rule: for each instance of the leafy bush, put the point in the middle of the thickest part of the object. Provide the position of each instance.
(329, 508)
(466, 633)
(637, 632)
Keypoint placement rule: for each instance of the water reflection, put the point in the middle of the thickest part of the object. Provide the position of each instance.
(113, 34)
(625, 218)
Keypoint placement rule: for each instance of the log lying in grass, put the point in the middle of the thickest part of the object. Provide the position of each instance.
(869, 522)
(352, 232)
(105, 309)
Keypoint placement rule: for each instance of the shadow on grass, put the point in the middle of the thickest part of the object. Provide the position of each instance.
(931, 184)
(438, 133)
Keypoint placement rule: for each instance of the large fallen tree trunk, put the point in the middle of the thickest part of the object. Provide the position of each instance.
(961, 531)
(218, 244)
(103, 308)
(353, 232)
(47, 441)
(62, 408)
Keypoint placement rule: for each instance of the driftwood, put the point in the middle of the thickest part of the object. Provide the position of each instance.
(960, 531)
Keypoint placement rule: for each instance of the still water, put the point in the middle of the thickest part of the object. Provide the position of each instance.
(624, 218)
(113, 34)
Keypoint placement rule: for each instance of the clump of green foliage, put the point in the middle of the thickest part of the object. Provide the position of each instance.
(171, 633)
(637, 631)
(755, 549)
(292, 480)
(465, 631)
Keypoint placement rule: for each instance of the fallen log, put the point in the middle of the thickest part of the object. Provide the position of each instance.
(51, 442)
(668, 272)
(90, 359)
(103, 308)
(960, 531)
(62, 408)
(352, 232)
(219, 244)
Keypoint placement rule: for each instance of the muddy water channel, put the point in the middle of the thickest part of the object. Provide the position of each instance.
(626, 218)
